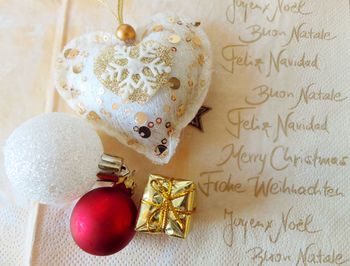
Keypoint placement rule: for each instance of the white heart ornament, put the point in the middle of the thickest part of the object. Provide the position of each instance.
(142, 94)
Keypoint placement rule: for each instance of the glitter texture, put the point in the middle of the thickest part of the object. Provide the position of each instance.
(161, 78)
(53, 158)
(134, 72)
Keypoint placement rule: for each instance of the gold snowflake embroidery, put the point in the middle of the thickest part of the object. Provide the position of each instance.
(134, 73)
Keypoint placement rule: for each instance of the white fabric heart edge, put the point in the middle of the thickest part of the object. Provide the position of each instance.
(192, 106)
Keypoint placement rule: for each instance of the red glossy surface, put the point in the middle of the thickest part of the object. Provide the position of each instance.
(103, 221)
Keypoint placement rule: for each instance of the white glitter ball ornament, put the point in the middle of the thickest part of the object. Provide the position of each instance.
(53, 158)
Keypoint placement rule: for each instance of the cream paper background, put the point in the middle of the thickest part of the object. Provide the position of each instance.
(33, 31)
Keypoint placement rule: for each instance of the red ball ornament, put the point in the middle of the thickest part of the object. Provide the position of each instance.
(103, 221)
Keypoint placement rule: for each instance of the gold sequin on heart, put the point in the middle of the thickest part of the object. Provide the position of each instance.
(174, 38)
(181, 110)
(166, 108)
(71, 53)
(106, 113)
(141, 118)
(93, 116)
(63, 85)
(174, 83)
(98, 39)
(196, 41)
(81, 108)
(202, 84)
(77, 68)
(74, 93)
(170, 131)
(201, 59)
(132, 141)
(158, 28)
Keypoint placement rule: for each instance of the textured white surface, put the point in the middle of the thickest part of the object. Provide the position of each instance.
(53, 158)
(85, 93)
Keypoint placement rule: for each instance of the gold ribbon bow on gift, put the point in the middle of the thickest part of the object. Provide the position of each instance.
(160, 214)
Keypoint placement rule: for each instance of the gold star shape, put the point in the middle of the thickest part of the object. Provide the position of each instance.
(197, 120)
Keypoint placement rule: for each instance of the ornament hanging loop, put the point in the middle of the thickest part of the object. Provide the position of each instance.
(120, 11)
(124, 32)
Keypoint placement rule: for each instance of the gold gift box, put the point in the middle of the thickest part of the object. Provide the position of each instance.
(166, 207)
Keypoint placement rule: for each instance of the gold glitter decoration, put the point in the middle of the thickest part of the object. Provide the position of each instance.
(190, 83)
(181, 110)
(106, 113)
(170, 131)
(174, 83)
(71, 53)
(196, 41)
(98, 39)
(63, 85)
(173, 97)
(202, 83)
(201, 59)
(158, 28)
(174, 38)
(132, 142)
(77, 68)
(141, 118)
(166, 108)
(115, 106)
(138, 96)
(93, 116)
(74, 92)
(81, 108)
(129, 82)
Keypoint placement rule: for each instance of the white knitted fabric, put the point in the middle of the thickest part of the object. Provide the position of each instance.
(170, 47)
